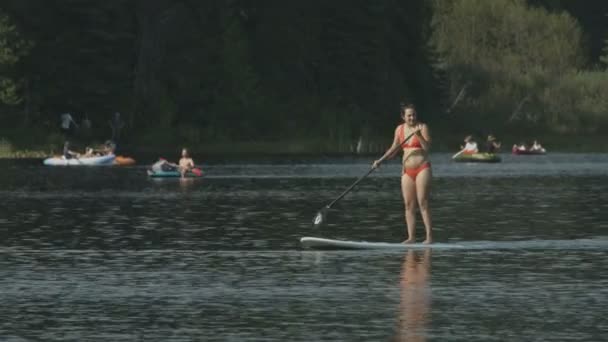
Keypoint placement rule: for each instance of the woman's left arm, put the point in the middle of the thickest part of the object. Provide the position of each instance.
(424, 136)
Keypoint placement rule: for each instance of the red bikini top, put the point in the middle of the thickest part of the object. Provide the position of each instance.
(413, 142)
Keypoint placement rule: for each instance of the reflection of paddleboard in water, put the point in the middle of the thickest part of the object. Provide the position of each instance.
(320, 243)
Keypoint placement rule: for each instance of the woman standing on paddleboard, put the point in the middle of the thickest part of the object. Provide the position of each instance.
(416, 175)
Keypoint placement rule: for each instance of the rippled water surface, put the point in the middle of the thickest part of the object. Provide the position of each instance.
(107, 254)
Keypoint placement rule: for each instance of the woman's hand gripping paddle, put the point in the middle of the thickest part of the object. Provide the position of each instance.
(319, 219)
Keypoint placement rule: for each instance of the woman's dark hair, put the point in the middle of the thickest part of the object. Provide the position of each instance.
(405, 107)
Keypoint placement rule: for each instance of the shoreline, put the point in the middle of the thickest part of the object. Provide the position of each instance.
(259, 150)
(446, 143)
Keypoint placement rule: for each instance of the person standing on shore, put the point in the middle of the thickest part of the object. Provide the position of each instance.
(116, 124)
(67, 125)
(86, 126)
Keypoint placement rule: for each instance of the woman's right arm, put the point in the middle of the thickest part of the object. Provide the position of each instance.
(390, 152)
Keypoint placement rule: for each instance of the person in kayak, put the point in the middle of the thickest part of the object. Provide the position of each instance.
(89, 152)
(185, 163)
(109, 147)
(492, 146)
(470, 146)
(416, 175)
(162, 165)
(536, 146)
(67, 153)
(520, 147)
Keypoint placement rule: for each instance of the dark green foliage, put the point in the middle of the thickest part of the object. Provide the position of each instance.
(604, 56)
(591, 15)
(13, 47)
(511, 56)
(333, 71)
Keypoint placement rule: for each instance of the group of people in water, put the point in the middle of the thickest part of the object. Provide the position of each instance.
(492, 146)
(534, 147)
(470, 145)
(185, 164)
(107, 148)
(412, 137)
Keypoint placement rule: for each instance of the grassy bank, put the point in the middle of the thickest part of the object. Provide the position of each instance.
(8, 150)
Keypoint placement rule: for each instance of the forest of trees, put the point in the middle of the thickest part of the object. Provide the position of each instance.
(333, 71)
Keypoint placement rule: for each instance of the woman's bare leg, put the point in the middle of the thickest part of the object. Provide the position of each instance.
(423, 187)
(408, 189)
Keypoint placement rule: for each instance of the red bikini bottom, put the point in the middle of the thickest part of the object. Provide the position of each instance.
(414, 172)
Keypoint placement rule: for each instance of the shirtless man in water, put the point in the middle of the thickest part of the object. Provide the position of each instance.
(185, 163)
(416, 175)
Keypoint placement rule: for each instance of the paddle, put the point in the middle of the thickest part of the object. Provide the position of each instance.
(321, 214)
(78, 159)
(458, 153)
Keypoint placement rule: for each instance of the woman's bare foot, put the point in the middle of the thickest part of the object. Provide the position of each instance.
(428, 241)
(409, 241)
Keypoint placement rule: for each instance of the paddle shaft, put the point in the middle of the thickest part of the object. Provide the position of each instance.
(350, 188)
(458, 153)
(366, 174)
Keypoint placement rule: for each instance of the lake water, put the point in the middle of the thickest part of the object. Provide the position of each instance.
(107, 254)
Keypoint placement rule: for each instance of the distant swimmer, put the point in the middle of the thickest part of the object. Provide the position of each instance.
(416, 170)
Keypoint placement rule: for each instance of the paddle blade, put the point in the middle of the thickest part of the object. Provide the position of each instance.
(319, 219)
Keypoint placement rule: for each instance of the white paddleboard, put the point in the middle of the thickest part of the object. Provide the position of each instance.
(320, 243)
